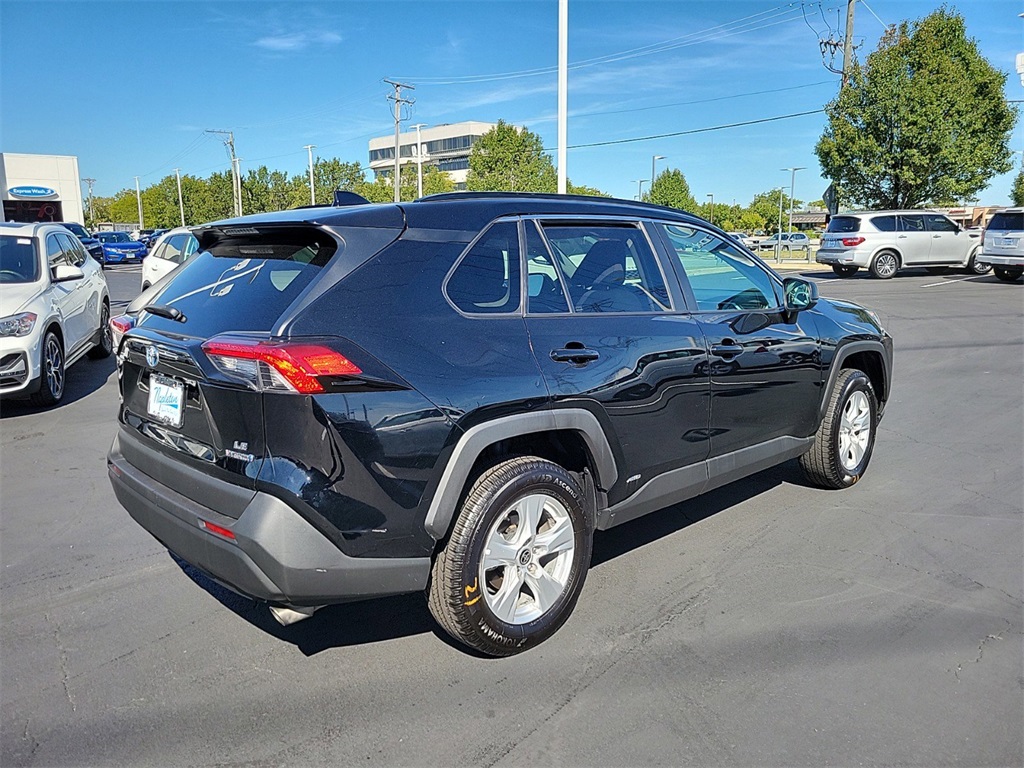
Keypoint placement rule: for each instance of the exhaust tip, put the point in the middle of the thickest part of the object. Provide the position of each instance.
(287, 614)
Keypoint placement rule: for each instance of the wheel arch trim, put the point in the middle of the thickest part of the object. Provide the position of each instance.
(476, 439)
(846, 351)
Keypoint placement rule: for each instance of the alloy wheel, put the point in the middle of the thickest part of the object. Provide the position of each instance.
(854, 430)
(54, 363)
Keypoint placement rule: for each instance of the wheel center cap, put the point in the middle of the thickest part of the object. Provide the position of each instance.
(525, 556)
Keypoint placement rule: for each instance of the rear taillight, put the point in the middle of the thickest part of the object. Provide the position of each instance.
(280, 366)
(119, 326)
(852, 241)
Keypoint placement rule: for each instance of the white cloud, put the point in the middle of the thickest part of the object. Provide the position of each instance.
(296, 41)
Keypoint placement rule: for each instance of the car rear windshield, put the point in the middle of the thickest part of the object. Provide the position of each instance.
(844, 224)
(242, 283)
(1008, 220)
(18, 262)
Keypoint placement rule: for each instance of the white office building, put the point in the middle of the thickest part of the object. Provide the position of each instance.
(445, 147)
(41, 188)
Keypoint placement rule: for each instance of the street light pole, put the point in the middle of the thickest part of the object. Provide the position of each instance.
(312, 191)
(792, 181)
(711, 219)
(92, 214)
(181, 202)
(654, 161)
(639, 188)
(419, 160)
(563, 95)
(138, 198)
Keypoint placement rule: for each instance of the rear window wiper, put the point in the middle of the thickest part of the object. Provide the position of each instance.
(164, 310)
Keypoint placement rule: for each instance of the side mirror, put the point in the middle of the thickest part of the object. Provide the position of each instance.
(799, 295)
(63, 273)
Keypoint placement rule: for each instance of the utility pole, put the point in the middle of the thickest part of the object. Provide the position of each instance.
(181, 202)
(419, 160)
(312, 192)
(848, 42)
(138, 198)
(792, 181)
(711, 219)
(778, 235)
(236, 187)
(399, 101)
(563, 94)
(639, 188)
(92, 214)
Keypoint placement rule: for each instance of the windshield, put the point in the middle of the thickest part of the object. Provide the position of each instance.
(113, 237)
(78, 229)
(18, 261)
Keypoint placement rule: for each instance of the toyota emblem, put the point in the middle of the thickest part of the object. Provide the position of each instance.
(152, 356)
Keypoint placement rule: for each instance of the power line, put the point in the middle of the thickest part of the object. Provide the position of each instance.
(692, 131)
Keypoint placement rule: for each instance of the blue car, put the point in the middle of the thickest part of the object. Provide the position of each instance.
(118, 247)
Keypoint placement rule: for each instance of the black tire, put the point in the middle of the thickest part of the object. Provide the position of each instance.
(826, 464)
(975, 267)
(885, 265)
(51, 372)
(461, 600)
(844, 271)
(1008, 275)
(106, 345)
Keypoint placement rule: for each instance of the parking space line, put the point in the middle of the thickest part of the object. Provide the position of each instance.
(948, 282)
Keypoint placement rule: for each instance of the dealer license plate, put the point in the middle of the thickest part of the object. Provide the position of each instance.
(166, 400)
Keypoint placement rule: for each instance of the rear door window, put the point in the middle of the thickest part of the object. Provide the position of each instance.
(911, 223)
(544, 282)
(243, 283)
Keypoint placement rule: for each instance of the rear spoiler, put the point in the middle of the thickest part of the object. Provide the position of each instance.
(342, 198)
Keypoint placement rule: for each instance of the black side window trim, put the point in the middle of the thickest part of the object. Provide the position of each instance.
(519, 312)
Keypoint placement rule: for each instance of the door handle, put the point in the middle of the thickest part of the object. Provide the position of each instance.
(936, 235)
(726, 350)
(579, 355)
(901, 237)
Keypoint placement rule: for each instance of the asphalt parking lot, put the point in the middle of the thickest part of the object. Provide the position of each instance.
(766, 623)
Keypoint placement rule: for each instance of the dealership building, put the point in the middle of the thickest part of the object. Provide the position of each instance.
(41, 187)
(445, 147)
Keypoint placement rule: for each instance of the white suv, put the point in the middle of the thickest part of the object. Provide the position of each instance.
(887, 241)
(54, 309)
(1004, 244)
(174, 248)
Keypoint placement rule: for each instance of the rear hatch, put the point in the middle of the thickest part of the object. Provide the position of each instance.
(1004, 235)
(843, 232)
(190, 379)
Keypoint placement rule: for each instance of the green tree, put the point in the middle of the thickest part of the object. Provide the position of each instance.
(671, 188)
(510, 159)
(751, 221)
(1017, 190)
(436, 182)
(265, 190)
(583, 189)
(766, 206)
(330, 175)
(924, 120)
(122, 208)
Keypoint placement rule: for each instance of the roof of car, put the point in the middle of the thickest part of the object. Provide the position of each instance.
(880, 213)
(465, 211)
(27, 229)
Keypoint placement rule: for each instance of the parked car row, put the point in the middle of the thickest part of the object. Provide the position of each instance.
(1003, 248)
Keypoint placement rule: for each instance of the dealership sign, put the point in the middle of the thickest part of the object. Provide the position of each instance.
(32, 192)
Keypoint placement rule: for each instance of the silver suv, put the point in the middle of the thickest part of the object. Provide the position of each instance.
(887, 241)
(1004, 244)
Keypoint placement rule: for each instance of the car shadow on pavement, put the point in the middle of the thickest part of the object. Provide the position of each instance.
(389, 618)
(336, 626)
(81, 380)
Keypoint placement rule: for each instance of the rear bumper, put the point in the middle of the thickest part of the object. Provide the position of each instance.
(848, 257)
(1000, 261)
(275, 556)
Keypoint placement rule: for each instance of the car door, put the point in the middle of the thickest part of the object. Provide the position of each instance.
(947, 245)
(765, 366)
(81, 316)
(63, 296)
(94, 286)
(913, 239)
(609, 335)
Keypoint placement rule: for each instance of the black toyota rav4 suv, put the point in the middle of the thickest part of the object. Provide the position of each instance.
(451, 395)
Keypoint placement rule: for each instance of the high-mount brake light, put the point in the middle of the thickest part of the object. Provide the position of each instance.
(852, 241)
(278, 366)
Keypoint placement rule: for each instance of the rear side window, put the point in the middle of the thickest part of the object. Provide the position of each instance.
(608, 268)
(1008, 220)
(844, 224)
(243, 283)
(884, 223)
(486, 279)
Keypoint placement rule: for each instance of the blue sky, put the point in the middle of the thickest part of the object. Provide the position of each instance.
(141, 80)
